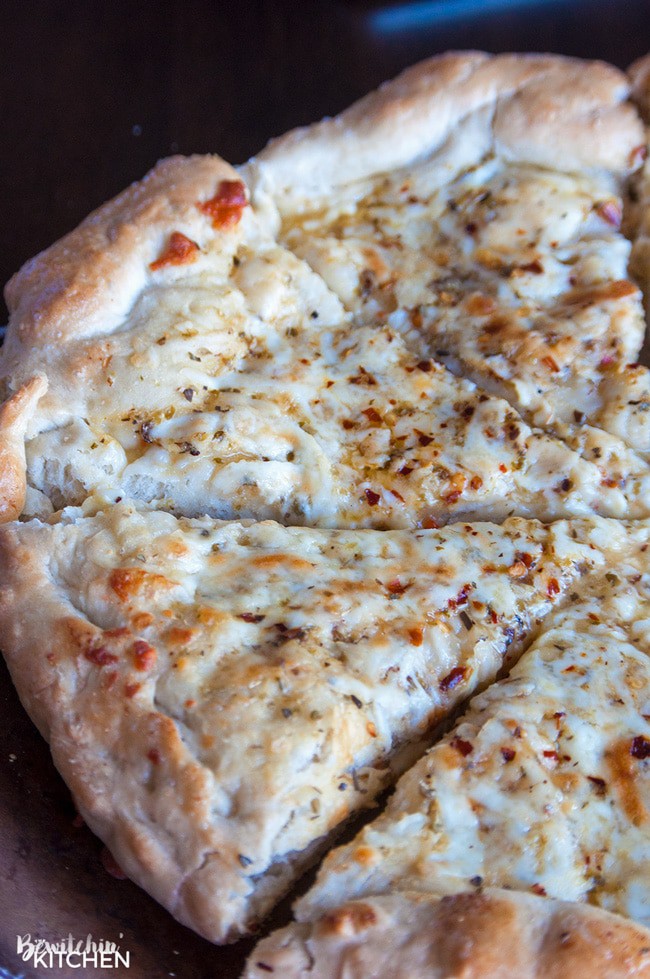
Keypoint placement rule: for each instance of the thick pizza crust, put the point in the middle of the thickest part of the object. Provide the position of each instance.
(492, 934)
(529, 106)
(220, 697)
(86, 282)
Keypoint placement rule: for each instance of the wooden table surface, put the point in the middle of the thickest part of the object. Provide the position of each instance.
(91, 95)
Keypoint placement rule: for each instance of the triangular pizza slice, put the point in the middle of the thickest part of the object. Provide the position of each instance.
(221, 696)
(462, 206)
(543, 785)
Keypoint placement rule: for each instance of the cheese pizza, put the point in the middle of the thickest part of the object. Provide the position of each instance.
(295, 458)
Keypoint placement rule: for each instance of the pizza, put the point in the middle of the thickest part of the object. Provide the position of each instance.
(298, 456)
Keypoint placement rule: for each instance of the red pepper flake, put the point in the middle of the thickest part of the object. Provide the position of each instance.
(493, 616)
(464, 747)
(475, 483)
(416, 635)
(502, 468)
(460, 599)
(552, 587)
(550, 363)
(100, 656)
(538, 889)
(251, 617)
(372, 415)
(551, 754)
(405, 471)
(396, 587)
(640, 747)
(180, 250)
(226, 207)
(372, 497)
(430, 523)
(452, 679)
(130, 689)
(606, 360)
(610, 482)
(154, 756)
(423, 439)
(111, 865)
(425, 366)
(347, 424)
(144, 655)
(508, 754)
(397, 495)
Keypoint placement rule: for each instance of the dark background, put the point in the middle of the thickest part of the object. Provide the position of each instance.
(91, 95)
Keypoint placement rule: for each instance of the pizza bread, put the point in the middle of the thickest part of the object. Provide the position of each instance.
(417, 314)
(492, 934)
(219, 697)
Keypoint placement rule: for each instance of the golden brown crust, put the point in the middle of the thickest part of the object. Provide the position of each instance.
(491, 934)
(14, 417)
(530, 104)
(86, 281)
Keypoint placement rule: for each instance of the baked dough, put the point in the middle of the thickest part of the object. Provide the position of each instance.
(220, 696)
(492, 934)
(287, 341)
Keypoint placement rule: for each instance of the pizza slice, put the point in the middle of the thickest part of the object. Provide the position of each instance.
(221, 696)
(474, 204)
(543, 786)
(491, 934)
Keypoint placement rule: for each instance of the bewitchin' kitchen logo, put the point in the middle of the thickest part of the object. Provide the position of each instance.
(75, 953)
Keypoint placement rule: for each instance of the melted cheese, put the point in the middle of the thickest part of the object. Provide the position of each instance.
(513, 276)
(292, 663)
(544, 785)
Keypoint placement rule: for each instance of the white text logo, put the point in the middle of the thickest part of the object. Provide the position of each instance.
(73, 953)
